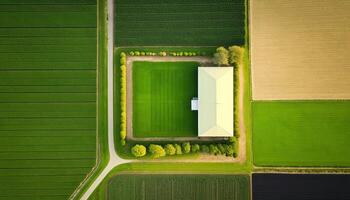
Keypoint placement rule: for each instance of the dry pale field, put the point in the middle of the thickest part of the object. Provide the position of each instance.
(300, 49)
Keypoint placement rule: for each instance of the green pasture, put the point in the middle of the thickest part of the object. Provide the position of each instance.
(179, 186)
(179, 23)
(162, 93)
(305, 133)
(47, 97)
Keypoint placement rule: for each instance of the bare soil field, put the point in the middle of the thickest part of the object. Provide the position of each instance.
(300, 49)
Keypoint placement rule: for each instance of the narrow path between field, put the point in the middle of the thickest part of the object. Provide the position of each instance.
(114, 159)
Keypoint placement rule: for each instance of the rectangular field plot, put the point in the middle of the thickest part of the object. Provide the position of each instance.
(179, 22)
(47, 97)
(300, 186)
(299, 49)
(311, 133)
(162, 93)
(180, 187)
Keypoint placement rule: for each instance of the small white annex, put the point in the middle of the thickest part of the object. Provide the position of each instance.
(215, 101)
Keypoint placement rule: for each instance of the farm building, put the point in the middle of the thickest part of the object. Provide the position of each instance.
(215, 101)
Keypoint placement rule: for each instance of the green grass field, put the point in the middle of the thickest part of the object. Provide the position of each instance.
(310, 133)
(162, 93)
(181, 187)
(47, 97)
(179, 23)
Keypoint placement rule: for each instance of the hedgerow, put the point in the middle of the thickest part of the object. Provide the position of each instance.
(123, 98)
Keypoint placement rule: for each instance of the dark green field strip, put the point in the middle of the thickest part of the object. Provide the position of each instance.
(46, 89)
(49, 2)
(47, 97)
(41, 197)
(30, 56)
(52, 16)
(36, 178)
(48, 77)
(48, 140)
(181, 187)
(33, 110)
(46, 155)
(48, 123)
(179, 8)
(61, 32)
(46, 41)
(45, 147)
(43, 172)
(50, 49)
(36, 163)
(49, 133)
(39, 65)
(47, 8)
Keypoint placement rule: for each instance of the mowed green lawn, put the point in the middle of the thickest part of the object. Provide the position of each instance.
(47, 97)
(179, 186)
(311, 133)
(179, 22)
(162, 93)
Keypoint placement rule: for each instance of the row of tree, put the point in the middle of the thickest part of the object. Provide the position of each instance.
(231, 56)
(229, 148)
(164, 53)
(122, 98)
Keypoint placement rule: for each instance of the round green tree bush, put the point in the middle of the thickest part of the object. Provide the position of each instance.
(230, 150)
(138, 150)
(222, 148)
(170, 149)
(221, 56)
(186, 147)
(233, 140)
(213, 149)
(236, 54)
(204, 148)
(156, 150)
(195, 148)
(178, 149)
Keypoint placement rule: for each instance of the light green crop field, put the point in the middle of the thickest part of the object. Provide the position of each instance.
(309, 133)
(179, 186)
(162, 93)
(47, 97)
(179, 22)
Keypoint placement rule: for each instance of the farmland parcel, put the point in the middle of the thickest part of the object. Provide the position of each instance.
(301, 133)
(300, 186)
(162, 93)
(47, 97)
(300, 49)
(181, 187)
(179, 22)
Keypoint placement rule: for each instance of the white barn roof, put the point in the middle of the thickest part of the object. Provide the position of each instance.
(215, 101)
